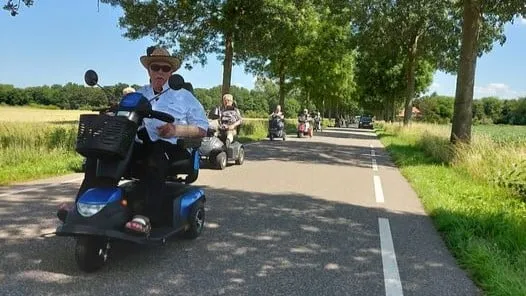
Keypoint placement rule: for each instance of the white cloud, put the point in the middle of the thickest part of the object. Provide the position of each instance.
(522, 20)
(500, 90)
(434, 86)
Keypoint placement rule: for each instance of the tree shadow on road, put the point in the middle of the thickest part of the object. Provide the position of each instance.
(254, 244)
(315, 150)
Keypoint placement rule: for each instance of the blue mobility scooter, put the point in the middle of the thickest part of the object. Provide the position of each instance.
(100, 214)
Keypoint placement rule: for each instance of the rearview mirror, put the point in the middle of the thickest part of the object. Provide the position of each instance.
(91, 78)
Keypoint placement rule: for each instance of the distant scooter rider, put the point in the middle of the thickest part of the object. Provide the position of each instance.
(317, 121)
(306, 118)
(230, 119)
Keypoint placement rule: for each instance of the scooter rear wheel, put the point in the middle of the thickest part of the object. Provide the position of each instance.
(91, 253)
(196, 220)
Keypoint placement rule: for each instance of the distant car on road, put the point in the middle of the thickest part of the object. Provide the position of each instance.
(365, 122)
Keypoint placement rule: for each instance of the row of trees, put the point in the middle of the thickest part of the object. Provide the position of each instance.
(439, 109)
(334, 53)
(257, 102)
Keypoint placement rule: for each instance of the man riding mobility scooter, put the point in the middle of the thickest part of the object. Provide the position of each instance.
(99, 215)
(218, 146)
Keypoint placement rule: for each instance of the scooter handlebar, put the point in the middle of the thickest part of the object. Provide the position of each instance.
(162, 116)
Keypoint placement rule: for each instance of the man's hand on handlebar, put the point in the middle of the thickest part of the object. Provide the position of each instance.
(167, 130)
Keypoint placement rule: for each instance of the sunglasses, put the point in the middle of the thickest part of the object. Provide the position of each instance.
(155, 68)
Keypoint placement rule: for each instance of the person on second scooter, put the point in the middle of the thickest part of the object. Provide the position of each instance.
(278, 124)
(277, 113)
(230, 119)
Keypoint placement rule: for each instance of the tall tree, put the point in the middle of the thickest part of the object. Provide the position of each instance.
(281, 29)
(422, 30)
(482, 24)
(195, 28)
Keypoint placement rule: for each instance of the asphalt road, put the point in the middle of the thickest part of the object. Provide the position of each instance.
(330, 215)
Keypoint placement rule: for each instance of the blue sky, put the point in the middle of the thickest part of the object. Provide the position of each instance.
(56, 43)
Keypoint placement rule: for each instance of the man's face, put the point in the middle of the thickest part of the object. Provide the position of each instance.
(159, 73)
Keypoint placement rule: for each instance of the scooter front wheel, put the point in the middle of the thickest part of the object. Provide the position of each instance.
(91, 253)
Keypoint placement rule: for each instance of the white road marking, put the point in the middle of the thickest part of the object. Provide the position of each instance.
(38, 188)
(378, 192)
(393, 285)
(375, 166)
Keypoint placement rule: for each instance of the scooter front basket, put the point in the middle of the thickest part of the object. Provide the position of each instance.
(103, 136)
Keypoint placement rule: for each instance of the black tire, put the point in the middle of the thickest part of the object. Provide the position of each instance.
(221, 160)
(241, 156)
(89, 253)
(196, 220)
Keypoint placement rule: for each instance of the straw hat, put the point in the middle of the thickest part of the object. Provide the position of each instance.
(159, 54)
(128, 90)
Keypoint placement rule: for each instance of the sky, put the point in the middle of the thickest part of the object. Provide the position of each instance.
(56, 43)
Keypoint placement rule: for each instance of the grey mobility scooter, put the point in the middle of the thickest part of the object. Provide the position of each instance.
(276, 128)
(213, 146)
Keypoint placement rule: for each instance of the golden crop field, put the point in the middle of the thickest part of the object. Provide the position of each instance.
(27, 114)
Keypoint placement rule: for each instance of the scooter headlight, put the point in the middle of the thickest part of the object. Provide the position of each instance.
(88, 210)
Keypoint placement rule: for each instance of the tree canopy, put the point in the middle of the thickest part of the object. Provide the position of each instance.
(339, 57)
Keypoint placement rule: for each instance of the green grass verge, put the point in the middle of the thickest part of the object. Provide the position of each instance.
(32, 150)
(483, 225)
(39, 164)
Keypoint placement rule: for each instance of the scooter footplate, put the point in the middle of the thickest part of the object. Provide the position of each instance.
(156, 236)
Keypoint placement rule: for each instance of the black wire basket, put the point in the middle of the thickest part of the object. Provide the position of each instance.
(103, 136)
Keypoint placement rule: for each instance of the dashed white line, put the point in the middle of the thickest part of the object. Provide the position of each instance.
(378, 192)
(393, 285)
(38, 188)
(375, 166)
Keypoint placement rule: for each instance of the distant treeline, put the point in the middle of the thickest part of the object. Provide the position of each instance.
(439, 109)
(258, 102)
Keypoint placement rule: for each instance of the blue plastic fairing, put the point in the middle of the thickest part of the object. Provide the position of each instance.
(99, 196)
(197, 157)
(131, 100)
(188, 199)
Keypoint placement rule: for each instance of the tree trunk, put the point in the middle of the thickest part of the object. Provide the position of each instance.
(227, 64)
(410, 91)
(282, 86)
(393, 111)
(462, 111)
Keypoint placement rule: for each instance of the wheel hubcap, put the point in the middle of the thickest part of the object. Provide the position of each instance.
(199, 221)
(103, 252)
